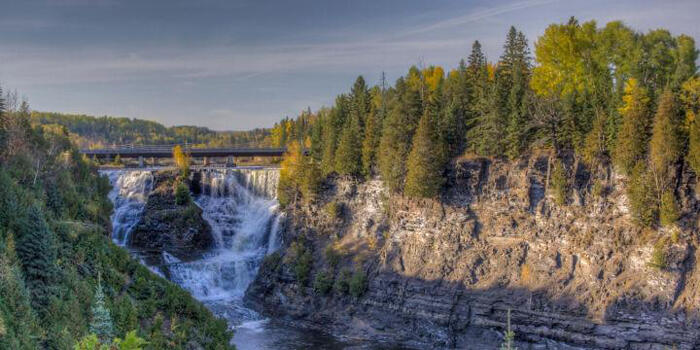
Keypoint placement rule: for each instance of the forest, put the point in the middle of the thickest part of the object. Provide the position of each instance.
(63, 283)
(603, 95)
(89, 131)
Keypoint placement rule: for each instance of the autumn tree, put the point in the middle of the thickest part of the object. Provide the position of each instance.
(182, 160)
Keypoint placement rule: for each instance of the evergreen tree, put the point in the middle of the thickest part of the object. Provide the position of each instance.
(666, 145)
(360, 101)
(690, 96)
(101, 323)
(316, 149)
(397, 135)
(424, 178)
(632, 137)
(36, 249)
(20, 327)
(516, 130)
(348, 156)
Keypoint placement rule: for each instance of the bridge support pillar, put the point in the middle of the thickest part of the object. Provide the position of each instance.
(205, 161)
(140, 161)
(230, 161)
(153, 161)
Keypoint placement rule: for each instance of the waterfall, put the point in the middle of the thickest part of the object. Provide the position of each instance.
(241, 207)
(129, 192)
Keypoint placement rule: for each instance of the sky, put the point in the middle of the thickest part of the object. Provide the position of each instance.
(238, 65)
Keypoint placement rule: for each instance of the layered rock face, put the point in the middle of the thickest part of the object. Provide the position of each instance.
(444, 274)
(166, 226)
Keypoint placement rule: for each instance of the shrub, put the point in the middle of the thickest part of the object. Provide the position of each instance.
(182, 194)
(641, 200)
(302, 261)
(323, 282)
(332, 256)
(559, 185)
(358, 284)
(334, 209)
(342, 283)
(658, 256)
(598, 189)
(668, 213)
(272, 261)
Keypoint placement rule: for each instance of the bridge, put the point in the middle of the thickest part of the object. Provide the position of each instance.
(166, 151)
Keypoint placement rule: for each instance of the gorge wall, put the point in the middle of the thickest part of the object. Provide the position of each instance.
(444, 274)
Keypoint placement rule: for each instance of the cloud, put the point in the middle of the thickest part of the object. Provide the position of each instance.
(480, 15)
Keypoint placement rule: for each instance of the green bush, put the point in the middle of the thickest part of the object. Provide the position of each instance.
(332, 256)
(182, 194)
(559, 184)
(642, 203)
(302, 262)
(323, 282)
(272, 261)
(358, 284)
(658, 256)
(334, 209)
(668, 213)
(342, 283)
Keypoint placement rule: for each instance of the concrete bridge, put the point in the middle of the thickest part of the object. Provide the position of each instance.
(166, 151)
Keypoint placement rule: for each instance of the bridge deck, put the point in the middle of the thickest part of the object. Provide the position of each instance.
(166, 151)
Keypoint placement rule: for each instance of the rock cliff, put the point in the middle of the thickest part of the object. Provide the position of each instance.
(179, 230)
(443, 274)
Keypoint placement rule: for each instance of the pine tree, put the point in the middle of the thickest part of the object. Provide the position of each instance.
(690, 96)
(36, 249)
(359, 101)
(516, 130)
(424, 178)
(20, 325)
(101, 323)
(316, 149)
(348, 156)
(373, 129)
(509, 336)
(666, 145)
(397, 135)
(631, 145)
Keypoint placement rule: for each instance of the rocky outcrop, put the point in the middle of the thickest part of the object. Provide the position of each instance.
(443, 274)
(166, 226)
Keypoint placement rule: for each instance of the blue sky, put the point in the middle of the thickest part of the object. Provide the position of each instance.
(233, 65)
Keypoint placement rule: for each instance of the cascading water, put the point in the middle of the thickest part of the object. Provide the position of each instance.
(240, 205)
(129, 192)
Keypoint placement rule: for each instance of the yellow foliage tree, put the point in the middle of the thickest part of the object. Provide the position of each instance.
(182, 160)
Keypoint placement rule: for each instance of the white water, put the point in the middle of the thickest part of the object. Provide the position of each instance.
(129, 192)
(241, 207)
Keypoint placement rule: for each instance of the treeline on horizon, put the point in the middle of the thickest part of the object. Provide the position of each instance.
(95, 132)
(602, 94)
